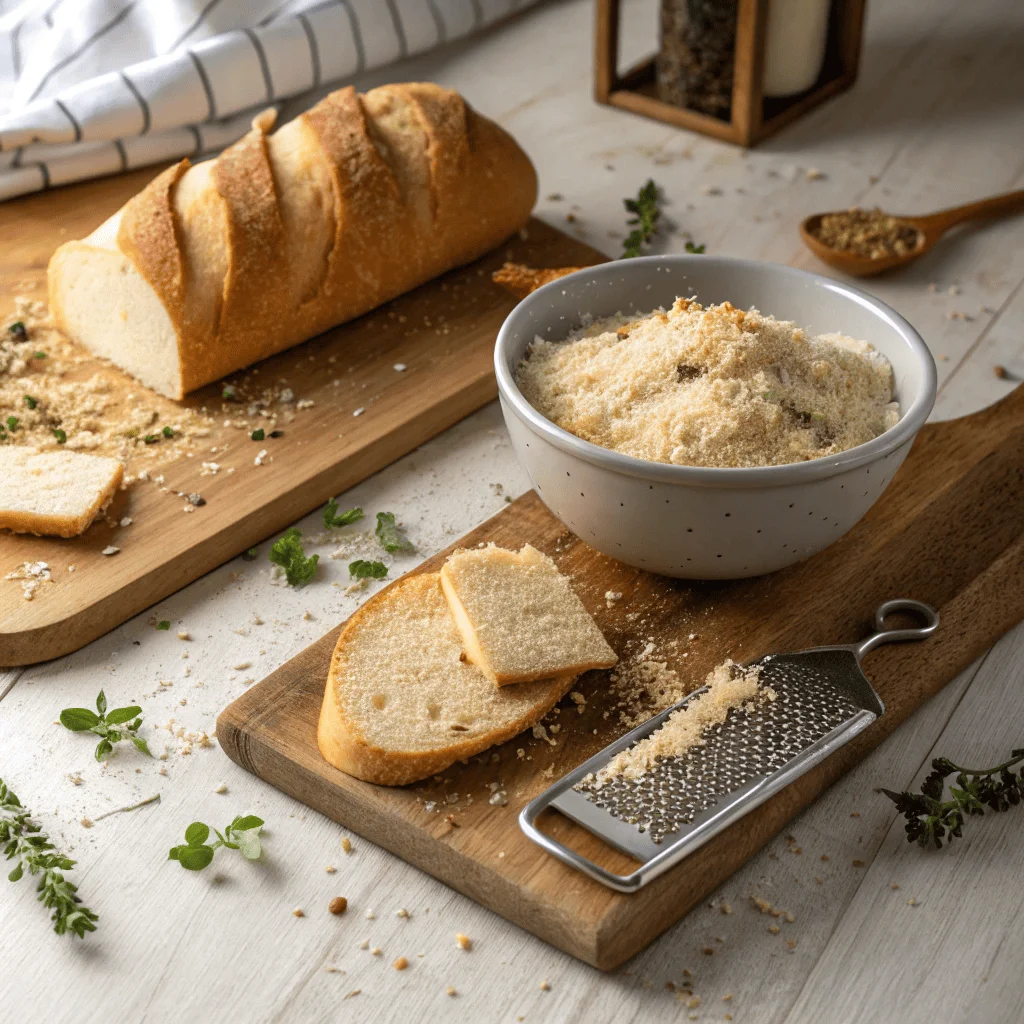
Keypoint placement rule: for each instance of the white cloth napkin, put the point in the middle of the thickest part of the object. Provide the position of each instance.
(94, 87)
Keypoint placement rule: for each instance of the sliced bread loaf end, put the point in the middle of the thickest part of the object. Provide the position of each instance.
(56, 494)
(400, 702)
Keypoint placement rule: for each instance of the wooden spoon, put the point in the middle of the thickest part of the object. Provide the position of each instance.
(930, 228)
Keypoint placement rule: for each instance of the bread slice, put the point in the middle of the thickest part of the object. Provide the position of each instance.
(55, 494)
(519, 618)
(400, 703)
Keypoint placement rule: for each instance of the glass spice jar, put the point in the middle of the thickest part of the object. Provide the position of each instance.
(694, 66)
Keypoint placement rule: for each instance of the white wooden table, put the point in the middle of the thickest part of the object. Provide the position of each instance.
(936, 119)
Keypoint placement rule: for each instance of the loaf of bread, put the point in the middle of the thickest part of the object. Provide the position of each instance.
(55, 494)
(400, 702)
(215, 266)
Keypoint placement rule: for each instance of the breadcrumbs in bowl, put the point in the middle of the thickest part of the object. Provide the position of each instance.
(698, 495)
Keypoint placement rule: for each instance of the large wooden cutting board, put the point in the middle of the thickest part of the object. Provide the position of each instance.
(443, 332)
(949, 531)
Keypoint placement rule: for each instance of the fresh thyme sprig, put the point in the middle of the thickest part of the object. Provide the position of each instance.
(930, 819)
(22, 840)
(242, 834)
(645, 216)
(110, 726)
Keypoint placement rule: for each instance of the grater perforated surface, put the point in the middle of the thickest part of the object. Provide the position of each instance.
(816, 692)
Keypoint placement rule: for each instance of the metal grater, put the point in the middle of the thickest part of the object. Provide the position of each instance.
(823, 701)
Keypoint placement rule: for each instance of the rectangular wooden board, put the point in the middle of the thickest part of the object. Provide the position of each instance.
(949, 531)
(443, 333)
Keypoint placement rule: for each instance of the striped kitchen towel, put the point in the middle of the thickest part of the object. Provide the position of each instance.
(94, 87)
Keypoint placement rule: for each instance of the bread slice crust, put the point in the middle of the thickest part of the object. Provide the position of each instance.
(353, 739)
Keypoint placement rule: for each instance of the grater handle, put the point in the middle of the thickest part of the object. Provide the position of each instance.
(895, 636)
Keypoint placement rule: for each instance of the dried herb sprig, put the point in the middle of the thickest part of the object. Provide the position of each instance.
(645, 216)
(390, 535)
(287, 552)
(22, 840)
(930, 819)
(332, 520)
(110, 726)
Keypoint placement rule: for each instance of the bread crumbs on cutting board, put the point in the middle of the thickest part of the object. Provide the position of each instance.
(729, 686)
(712, 386)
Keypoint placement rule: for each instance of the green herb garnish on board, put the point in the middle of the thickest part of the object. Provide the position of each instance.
(930, 819)
(17, 329)
(60, 435)
(645, 216)
(12, 423)
(110, 726)
(697, 250)
(288, 553)
(258, 434)
(163, 624)
(390, 536)
(22, 841)
(242, 834)
(363, 570)
(31, 402)
(332, 519)
(168, 432)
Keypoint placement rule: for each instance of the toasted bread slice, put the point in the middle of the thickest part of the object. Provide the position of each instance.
(56, 494)
(400, 703)
(519, 618)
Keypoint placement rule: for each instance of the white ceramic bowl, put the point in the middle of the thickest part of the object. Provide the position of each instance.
(696, 522)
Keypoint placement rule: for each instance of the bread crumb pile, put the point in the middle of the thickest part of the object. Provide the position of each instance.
(729, 686)
(712, 386)
(642, 687)
(60, 401)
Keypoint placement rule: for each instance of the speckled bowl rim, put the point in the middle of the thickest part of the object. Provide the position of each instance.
(708, 476)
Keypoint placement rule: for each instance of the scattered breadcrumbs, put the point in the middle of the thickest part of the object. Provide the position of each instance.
(298, 912)
(463, 941)
(871, 234)
(712, 386)
(376, 951)
(86, 823)
(729, 685)
(402, 913)
(338, 905)
(450, 991)
(346, 844)
(222, 788)
(400, 964)
(330, 869)
(544, 986)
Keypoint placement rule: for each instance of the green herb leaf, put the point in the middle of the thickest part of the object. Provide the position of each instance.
(645, 215)
(60, 435)
(258, 434)
(31, 402)
(78, 719)
(251, 555)
(141, 745)
(363, 570)
(197, 833)
(151, 439)
(163, 624)
(12, 423)
(248, 822)
(103, 748)
(249, 844)
(288, 553)
(22, 840)
(121, 715)
(332, 519)
(390, 536)
(18, 330)
(38, 355)
(194, 858)
(168, 432)
(101, 703)
(696, 249)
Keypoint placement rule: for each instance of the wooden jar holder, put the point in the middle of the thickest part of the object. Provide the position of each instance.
(752, 117)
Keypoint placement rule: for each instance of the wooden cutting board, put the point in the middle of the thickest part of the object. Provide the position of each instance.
(443, 333)
(949, 531)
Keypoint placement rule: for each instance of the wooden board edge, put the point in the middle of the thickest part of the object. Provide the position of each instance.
(69, 633)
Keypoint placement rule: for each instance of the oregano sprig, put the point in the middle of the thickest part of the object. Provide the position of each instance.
(22, 840)
(390, 534)
(288, 553)
(242, 834)
(930, 819)
(110, 726)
